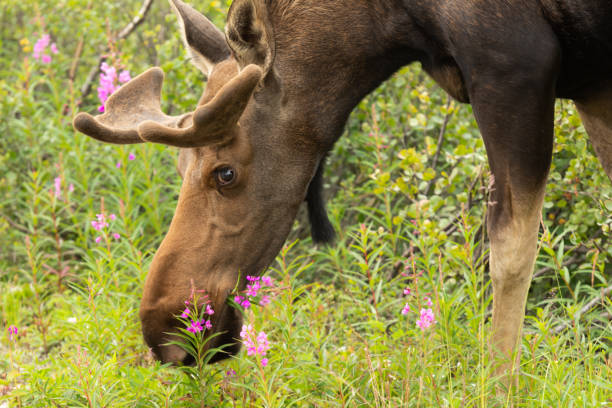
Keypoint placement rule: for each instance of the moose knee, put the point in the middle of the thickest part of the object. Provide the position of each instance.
(513, 250)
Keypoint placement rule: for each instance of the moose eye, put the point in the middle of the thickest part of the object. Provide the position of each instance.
(225, 175)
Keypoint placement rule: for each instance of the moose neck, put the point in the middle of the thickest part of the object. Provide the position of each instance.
(329, 55)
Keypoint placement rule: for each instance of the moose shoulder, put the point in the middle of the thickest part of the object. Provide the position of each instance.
(281, 84)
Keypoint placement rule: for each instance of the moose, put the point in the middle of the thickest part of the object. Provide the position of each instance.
(282, 81)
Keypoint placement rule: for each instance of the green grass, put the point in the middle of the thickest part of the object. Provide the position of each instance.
(338, 338)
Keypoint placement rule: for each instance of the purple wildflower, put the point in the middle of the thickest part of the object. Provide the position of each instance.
(131, 156)
(116, 235)
(242, 301)
(108, 82)
(265, 300)
(426, 319)
(262, 343)
(100, 222)
(266, 280)
(208, 324)
(252, 289)
(41, 46)
(124, 77)
(209, 310)
(58, 187)
(195, 326)
(406, 291)
(12, 332)
(185, 313)
(118, 165)
(255, 345)
(406, 309)
(230, 373)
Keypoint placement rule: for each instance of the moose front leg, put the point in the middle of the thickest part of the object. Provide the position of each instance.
(517, 126)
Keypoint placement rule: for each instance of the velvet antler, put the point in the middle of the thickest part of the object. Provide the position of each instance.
(133, 113)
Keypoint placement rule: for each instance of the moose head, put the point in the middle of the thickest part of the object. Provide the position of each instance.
(246, 166)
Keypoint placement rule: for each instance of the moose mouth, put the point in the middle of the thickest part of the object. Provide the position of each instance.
(223, 344)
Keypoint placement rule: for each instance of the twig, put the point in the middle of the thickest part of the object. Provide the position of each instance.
(15, 225)
(585, 308)
(568, 262)
(127, 30)
(453, 225)
(434, 163)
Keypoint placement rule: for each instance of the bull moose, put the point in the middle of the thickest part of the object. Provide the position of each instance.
(282, 82)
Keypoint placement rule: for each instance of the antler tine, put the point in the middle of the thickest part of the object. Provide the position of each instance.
(135, 102)
(212, 120)
(133, 113)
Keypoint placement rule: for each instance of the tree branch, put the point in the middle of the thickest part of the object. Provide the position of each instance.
(127, 30)
(585, 308)
(434, 163)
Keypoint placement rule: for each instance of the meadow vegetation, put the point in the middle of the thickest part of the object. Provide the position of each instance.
(395, 313)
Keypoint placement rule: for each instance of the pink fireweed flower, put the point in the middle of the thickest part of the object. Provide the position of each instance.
(58, 187)
(267, 281)
(112, 217)
(255, 345)
(40, 45)
(100, 222)
(108, 82)
(265, 300)
(426, 319)
(131, 156)
(70, 188)
(252, 289)
(252, 278)
(116, 235)
(12, 332)
(98, 240)
(262, 343)
(209, 310)
(118, 165)
(406, 291)
(195, 326)
(39, 52)
(230, 373)
(406, 309)
(185, 313)
(208, 324)
(242, 301)
(428, 301)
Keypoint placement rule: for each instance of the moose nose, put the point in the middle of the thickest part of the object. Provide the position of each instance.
(159, 324)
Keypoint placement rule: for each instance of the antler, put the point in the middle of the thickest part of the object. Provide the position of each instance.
(133, 113)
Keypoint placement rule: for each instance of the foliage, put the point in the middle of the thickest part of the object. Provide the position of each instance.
(408, 192)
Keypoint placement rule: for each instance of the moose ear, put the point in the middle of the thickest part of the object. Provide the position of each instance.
(205, 42)
(249, 33)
